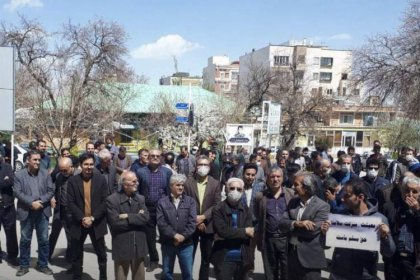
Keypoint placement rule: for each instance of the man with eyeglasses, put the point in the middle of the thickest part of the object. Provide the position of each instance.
(232, 221)
(33, 189)
(153, 185)
(373, 179)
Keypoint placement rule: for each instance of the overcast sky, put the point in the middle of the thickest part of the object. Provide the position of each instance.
(194, 30)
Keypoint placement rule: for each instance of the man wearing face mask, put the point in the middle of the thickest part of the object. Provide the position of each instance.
(373, 180)
(207, 193)
(233, 228)
(343, 176)
(62, 214)
(380, 157)
(406, 161)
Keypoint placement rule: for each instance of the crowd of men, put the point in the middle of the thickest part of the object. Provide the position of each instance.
(229, 204)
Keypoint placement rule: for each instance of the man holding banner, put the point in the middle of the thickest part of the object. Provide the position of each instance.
(347, 262)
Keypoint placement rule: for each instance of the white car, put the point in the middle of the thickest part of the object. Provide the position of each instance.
(19, 152)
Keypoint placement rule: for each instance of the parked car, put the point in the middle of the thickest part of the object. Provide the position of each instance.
(19, 152)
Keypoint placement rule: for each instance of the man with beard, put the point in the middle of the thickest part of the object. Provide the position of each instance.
(352, 264)
(270, 205)
(41, 147)
(321, 173)
(62, 214)
(86, 198)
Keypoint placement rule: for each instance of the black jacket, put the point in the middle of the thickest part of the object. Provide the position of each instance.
(227, 237)
(6, 185)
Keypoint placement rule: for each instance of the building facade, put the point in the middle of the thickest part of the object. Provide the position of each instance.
(181, 79)
(221, 76)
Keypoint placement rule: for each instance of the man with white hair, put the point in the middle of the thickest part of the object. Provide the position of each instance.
(303, 218)
(403, 213)
(108, 170)
(127, 215)
(232, 222)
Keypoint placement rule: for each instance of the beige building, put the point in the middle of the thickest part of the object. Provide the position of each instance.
(220, 75)
(181, 79)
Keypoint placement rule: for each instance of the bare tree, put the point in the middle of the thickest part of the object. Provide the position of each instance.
(69, 80)
(388, 65)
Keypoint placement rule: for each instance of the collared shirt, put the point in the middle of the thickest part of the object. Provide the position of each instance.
(248, 194)
(275, 209)
(176, 201)
(201, 187)
(157, 185)
(293, 239)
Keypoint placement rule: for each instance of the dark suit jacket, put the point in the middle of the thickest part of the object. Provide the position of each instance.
(128, 236)
(212, 196)
(110, 176)
(260, 210)
(309, 248)
(76, 203)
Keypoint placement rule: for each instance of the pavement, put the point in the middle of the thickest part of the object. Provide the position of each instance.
(90, 268)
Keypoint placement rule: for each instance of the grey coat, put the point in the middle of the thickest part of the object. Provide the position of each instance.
(309, 248)
(23, 192)
(128, 236)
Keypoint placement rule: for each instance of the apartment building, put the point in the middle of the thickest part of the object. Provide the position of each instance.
(220, 75)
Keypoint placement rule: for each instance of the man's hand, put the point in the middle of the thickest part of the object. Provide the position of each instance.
(325, 226)
(200, 219)
(412, 203)
(6, 178)
(308, 225)
(329, 196)
(53, 202)
(87, 222)
(178, 239)
(141, 211)
(383, 231)
(201, 227)
(123, 216)
(249, 231)
(36, 205)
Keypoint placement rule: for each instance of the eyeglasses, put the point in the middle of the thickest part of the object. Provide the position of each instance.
(239, 189)
(155, 156)
(373, 168)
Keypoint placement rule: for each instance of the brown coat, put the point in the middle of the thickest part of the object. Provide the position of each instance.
(212, 196)
(260, 208)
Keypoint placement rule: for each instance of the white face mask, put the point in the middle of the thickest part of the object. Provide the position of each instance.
(409, 157)
(203, 171)
(234, 197)
(259, 163)
(372, 173)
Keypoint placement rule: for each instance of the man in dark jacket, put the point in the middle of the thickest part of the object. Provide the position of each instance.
(207, 193)
(87, 194)
(373, 179)
(127, 217)
(403, 213)
(352, 264)
(176, 214)
(108, 170)
(271, 240)
(356, 160)
(8, 211)
(232, 222)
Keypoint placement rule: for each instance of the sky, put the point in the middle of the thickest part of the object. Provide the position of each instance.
(194, 30)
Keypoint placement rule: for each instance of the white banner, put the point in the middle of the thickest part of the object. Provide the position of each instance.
(239, 134)
(274, 114)
(353, 232)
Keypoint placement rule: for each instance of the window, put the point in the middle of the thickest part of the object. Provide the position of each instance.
(326, 61)
(299, 74)
(329, 91)
(346, 118)
(359, 139)
(314, 91)
(370, 119)
(355, 91)
(344, 76)
(344, 91)
(316, 61)
(281, 60)
(235, 76)
(222, 75)
(325, 77)
(227, 75)
(222, 86)
(315, 76)
(301, 59)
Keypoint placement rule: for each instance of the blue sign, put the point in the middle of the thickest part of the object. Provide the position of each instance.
(181, 106)
(181, 119)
